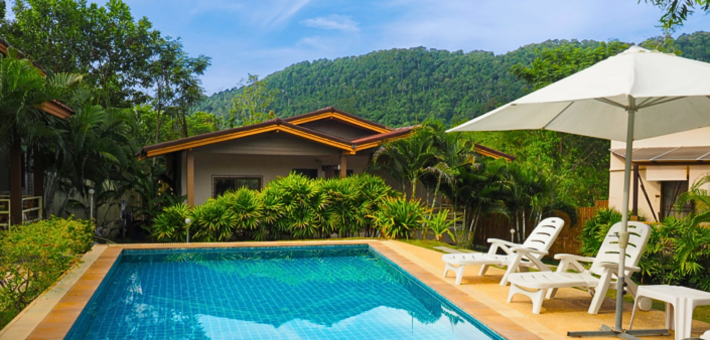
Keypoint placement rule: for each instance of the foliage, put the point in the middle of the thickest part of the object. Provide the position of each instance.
(676, 12)
(34, 256)
(302, 204)
(440, 223)
(246, 207)
(105, 43)
(250, 103)
(212, 221)
(173, 76)
(170, 226)
(407, 159)
(154, 194)
(399, 217)
(677, 252)
(23, 89)
(399, 87)
(595, 229)
(288, 207)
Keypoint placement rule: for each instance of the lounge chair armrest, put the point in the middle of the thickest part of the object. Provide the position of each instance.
(571, 257)
(504, 245)
(528, 251)
(615, 267)
(569, 261)
(503, 242)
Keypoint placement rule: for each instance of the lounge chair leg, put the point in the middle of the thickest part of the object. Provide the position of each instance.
(483, 270)
(600, 293)
(447, 267)
(513, 266)
(457, 270)
(551, 293)
(537, 297)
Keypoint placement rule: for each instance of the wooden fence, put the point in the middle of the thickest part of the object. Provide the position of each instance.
(567, 242)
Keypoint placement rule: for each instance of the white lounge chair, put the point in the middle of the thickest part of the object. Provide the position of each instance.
(596, 279)
(516, 255)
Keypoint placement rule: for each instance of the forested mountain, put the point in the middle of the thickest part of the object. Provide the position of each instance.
(402, 86)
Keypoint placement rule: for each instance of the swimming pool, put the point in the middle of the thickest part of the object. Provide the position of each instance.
(315, 292)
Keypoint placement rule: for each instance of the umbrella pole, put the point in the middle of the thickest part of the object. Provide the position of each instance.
(618, 329)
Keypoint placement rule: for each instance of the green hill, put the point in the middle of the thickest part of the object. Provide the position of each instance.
(401, 86)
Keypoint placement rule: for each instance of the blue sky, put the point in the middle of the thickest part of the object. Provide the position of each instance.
(264, 36)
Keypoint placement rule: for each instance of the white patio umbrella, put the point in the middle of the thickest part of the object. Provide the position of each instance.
(634, 95)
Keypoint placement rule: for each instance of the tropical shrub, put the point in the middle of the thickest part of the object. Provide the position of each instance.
(212, 221)
(372, 191)
(245, 206)
(169, 226)
(340, 211)
(399, 217)
(34, 256)
(272, 212)
(302, 204)
(595, 230)
(288, 207)
(439, 224)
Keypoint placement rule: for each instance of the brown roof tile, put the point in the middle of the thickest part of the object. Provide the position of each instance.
(333, 109)
(383, 136)
(275, 121)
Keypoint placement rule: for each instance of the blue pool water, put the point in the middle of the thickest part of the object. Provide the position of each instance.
(321, 292)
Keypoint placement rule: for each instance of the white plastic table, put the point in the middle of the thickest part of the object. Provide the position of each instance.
(682, 300)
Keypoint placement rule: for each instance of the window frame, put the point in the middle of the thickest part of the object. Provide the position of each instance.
(215, 177)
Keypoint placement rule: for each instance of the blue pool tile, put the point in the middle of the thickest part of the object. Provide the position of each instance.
(321, 292)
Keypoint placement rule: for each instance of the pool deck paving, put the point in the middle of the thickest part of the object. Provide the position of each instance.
(52, 315)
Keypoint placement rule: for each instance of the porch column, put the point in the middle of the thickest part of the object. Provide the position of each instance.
(635, 204)
(16, 182)
(190, 178)
(343, 166)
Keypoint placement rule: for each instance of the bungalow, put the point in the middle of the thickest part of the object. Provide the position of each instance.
(324, 143)
(21, 173)
(663, 168)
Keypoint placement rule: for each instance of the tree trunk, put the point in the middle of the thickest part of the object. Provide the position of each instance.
(524, 235)
(414, 189)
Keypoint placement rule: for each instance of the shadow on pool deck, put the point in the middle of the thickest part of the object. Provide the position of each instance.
(566, 312)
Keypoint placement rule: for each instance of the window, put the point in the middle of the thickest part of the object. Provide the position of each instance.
(670, 190)
(222, 184)
(310, 173)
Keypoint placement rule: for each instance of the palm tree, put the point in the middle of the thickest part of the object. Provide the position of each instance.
(407, 159)
(23, 90)
(95, 151)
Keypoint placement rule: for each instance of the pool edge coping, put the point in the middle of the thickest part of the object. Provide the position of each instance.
(59, 321)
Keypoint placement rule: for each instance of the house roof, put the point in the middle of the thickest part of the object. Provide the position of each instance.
(293, 126)
(333, 113)
(54, 107)
(376, 140)
(272, 125)
(698, 154)
(486, 151)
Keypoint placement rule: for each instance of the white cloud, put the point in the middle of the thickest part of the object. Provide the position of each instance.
(333, 22)
(280, 11)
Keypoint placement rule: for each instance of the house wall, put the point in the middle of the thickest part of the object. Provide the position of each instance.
(334, 127)
(268, 155)
(698, 137)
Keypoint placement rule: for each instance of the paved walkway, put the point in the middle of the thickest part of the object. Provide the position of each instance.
(567, 312)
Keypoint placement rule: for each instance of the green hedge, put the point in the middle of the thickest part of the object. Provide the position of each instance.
(295, 207)
(34, 256)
